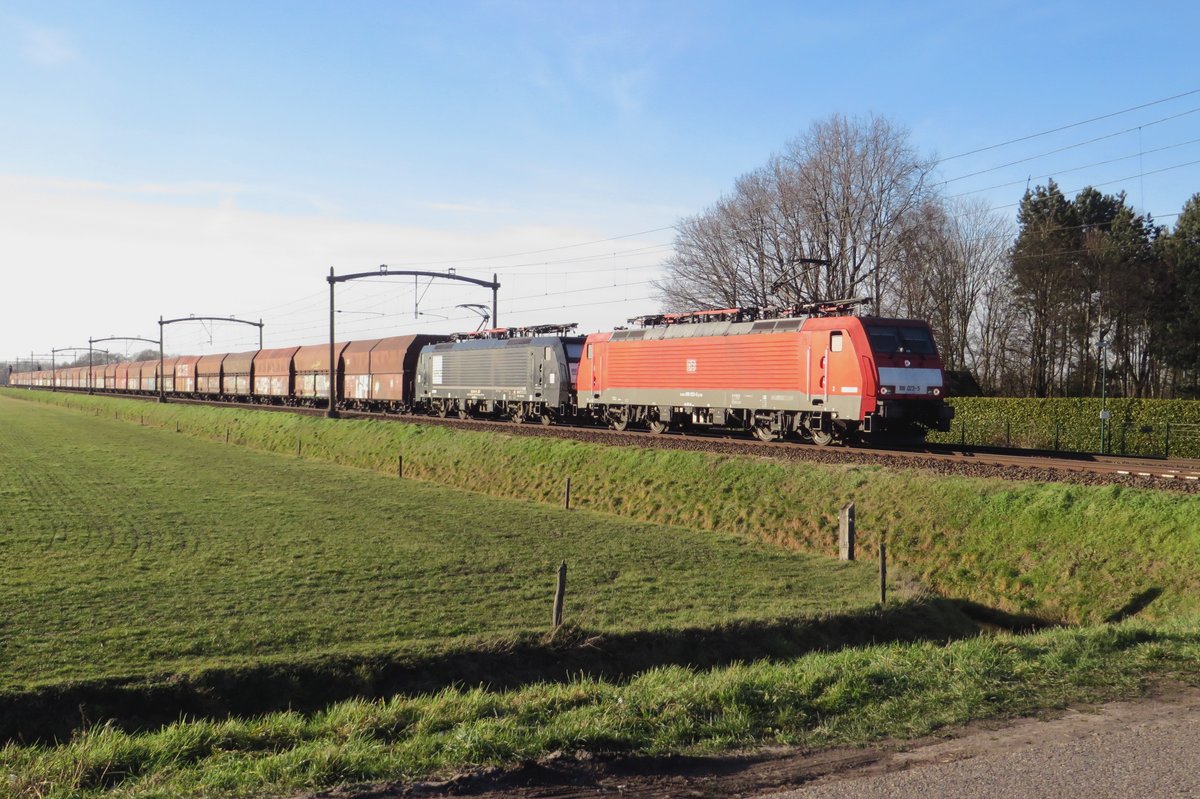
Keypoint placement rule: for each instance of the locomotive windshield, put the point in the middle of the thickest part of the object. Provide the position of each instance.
(574, 351)
(888, 339)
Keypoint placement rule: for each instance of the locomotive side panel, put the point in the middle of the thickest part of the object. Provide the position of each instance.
(523, 370)
(725, 366)
(743, 372)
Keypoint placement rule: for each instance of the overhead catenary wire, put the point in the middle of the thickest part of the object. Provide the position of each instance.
(1077, 168)
(1067, 147)
(1061, 128)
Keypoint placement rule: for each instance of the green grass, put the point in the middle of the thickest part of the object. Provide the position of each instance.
(847, 697)
(131, 551)
(1056, 551)
(641, 561)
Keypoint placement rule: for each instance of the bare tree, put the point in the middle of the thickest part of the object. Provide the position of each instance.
(843, 192)
(858, 183)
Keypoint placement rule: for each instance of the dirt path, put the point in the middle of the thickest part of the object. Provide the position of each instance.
(1172, 714)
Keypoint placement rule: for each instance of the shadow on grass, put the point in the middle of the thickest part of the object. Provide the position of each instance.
(1135, 605)
(994, 618)
(55, 712)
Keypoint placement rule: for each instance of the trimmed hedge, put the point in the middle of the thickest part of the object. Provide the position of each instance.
(1137, 427)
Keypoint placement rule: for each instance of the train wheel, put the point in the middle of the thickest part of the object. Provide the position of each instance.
(518, 416)
(546, 419)
(765, 433)
(822, 438)
(443, 411)
(658, 428)
(618, 418)
(463, 413)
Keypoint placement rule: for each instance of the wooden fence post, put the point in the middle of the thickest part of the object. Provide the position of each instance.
(846, 532)
(400, 466)
(226, 435)
(298, 441)
(567, 495)
(882, 572)
(560, 591)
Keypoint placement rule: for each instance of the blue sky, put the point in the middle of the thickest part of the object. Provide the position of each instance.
(217, 157)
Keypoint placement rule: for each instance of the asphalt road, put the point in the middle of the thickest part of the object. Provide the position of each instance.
(1146, 749)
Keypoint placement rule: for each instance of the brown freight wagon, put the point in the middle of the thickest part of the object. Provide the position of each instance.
(238, 374)
(312, 371)
(134, 377)
(168, 369)
(274, 373)
(122, 375)
(380, 371)
(185, 374)
(149, 376)
(208, 373)
(110, 376)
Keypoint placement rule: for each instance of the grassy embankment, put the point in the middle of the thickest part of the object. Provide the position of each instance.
(1029, 546)
(1054, 551)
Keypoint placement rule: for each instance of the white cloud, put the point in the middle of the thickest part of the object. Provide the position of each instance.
(85, 260)
(47, 47)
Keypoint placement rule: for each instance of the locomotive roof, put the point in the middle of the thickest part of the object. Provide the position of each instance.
(701, 329)
(501, 343)
(787, 325)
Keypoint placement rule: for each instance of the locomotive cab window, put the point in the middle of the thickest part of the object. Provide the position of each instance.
(835, 341)
(888, 339)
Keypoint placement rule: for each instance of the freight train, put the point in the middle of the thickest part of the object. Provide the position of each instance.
(816, 372)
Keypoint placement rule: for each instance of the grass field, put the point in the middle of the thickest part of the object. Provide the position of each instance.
(130, 551)
(137, 556)
(1059, 552)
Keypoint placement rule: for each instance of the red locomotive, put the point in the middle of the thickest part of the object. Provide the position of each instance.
(826, 377)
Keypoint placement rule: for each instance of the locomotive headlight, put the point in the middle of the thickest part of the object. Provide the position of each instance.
(937, 392)
(885, 390)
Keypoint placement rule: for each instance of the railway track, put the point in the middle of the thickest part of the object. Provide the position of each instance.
(1013, 464)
